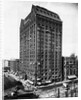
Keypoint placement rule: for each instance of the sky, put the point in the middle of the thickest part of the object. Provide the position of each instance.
(14, 11)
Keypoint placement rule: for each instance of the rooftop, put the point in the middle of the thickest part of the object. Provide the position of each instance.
(44, 12)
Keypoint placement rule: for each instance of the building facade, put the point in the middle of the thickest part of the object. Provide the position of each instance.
(71, 66)
(14, 65)
(41, 45)
(63, 73)
(6, 65)
(17, 64)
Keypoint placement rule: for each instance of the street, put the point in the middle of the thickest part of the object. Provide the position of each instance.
(55, 90)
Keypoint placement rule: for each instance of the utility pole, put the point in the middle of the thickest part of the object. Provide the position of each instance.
(58, 92)
(66, 92)
(71, 90)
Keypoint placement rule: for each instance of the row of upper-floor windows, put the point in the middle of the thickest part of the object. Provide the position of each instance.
(71, 71)
(48, 22)
(49, 26)
(48, 58)
(46, 54)
(46, 75)
(48, 68)
(52, 48)
(27, 52)
(29, 38)
(47, 37)
(51, 38)
(27, 48)
(54, 32)
(28, 33)
(47, 78)
(28, 57)
(49, 42)
(27, 45)
(42, 50)
(42, 54)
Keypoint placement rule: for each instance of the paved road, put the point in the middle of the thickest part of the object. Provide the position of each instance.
(52, 90)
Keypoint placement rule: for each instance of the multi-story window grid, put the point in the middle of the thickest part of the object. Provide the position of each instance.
(41, 45)
(71, 66)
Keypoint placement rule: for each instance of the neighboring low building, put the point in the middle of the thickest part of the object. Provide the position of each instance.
(17, 63)
(14, 65)
(62, 68)
(70, 66)
(6, 65)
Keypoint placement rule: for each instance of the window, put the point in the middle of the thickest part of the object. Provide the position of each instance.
(37, 9)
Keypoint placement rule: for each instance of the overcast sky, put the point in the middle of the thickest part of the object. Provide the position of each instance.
(14, 11)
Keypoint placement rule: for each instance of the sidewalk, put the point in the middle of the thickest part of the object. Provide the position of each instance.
(43, 86)
(55, 84)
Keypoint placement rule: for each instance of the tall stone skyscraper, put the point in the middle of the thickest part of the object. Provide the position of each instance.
(41, 46)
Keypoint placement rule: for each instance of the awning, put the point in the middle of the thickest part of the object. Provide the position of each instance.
(72, 77)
